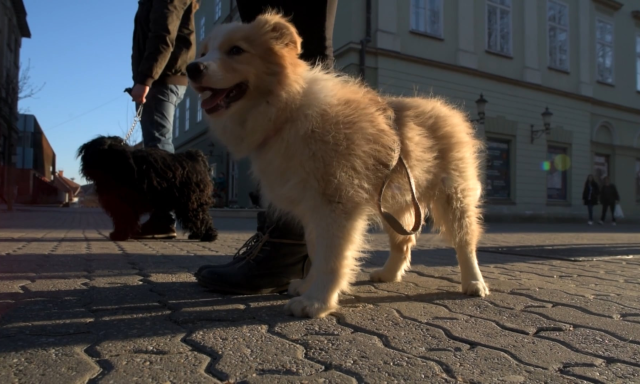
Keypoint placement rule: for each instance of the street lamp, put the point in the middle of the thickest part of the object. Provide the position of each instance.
(481, 103)
(546, 121)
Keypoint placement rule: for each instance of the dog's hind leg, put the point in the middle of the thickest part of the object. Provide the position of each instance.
(399, 253)
(455, 212)
(339, 239)
(198, 222)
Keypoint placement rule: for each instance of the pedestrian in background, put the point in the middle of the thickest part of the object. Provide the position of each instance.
(590, 195)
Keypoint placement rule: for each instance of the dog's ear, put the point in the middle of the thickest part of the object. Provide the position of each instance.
(279, 30)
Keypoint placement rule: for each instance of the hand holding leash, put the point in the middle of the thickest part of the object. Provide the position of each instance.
(138, 116)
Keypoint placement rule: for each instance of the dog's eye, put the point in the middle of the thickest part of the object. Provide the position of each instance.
(202, 54)
(235, 51)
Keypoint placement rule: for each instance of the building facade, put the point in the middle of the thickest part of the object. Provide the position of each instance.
(13, 27)
(576, 61)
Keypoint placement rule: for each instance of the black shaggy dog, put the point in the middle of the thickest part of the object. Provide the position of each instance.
(130, 182)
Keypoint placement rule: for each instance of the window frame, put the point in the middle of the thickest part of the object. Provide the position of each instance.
(556, 25)
(427, 11)
(510, 141)
(607, 20)
(566, 176)
(493, 3)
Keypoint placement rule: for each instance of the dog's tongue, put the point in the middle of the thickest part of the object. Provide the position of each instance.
(216, 96)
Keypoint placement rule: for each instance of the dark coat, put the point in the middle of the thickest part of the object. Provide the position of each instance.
(609, 194)
(164, 41)
(595, 193)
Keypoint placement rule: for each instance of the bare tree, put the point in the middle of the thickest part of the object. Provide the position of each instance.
(26, 88)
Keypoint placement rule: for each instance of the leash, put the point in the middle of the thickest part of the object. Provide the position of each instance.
(417, 209)
(136, 118)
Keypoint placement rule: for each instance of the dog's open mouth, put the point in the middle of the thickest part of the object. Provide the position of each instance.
(214, 99)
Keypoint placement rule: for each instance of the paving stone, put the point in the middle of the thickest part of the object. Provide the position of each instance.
(614, 373)
(515, 321)
(150, 368)
(46, 317)
(597, 344)
(241, 349)
(482, 365)
(405, 335)
(525, 349)
(46, 359)
(332, 377)
(12, 285)
(133, 332)
(595, 306)
(123, 297)
(423, 311)
(514, 301)
(623, 330)
(365, 358)
(294, 329)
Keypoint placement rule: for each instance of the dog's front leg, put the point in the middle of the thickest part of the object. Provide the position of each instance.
(298, 287)
(335, 255)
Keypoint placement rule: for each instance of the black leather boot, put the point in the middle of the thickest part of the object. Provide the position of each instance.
(266, 263)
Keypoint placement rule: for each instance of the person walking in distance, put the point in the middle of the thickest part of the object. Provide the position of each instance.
(608, 197)
(163, 44)
(590, 195)
(277, 253)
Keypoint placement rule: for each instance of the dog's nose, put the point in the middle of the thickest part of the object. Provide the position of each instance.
(195, 70)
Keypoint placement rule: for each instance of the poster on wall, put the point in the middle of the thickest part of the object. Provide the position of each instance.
(498, 183)
(557, 161)
(600, 167)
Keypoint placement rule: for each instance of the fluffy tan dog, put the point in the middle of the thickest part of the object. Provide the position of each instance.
(322, 144)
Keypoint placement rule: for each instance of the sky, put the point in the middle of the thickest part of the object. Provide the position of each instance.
(81, 52)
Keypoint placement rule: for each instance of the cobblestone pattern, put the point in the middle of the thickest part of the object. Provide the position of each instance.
(77, 308)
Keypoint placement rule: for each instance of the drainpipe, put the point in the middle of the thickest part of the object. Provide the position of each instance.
(365, 41)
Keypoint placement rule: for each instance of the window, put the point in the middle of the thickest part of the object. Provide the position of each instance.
(638, 62)
(600, 167)
(604, 50)
(499, 26)
(498, 183)
(638, 180)
(558, 31)
(557, 167)
(176, 123)
(199, 112)
(202, 27)
(187, 112)
(218, 9)
(427, 17)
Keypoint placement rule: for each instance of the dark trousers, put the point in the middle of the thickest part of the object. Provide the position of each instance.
(606, 207)
(157, 129)
(590, 209)
(314, 20)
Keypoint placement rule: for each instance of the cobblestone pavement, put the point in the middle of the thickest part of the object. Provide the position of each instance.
(77, 308)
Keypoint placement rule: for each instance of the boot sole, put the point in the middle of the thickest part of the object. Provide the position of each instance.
(155, 237)
(240, 291)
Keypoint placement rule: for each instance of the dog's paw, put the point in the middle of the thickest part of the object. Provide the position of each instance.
(475, 288)
(306, 307)
(194, 236)
(382, 276)
(210, 237)
(118, 236)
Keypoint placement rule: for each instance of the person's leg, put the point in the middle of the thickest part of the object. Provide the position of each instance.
(157, 132)
(277, 252)
(603, 215)
(613, 210)
(590, 209)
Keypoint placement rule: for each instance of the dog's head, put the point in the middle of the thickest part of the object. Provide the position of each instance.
(106, 157)
(248, 69)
